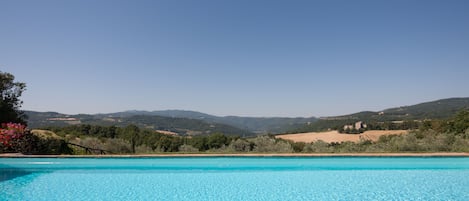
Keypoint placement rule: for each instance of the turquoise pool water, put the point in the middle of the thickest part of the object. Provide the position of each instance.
(235, 178)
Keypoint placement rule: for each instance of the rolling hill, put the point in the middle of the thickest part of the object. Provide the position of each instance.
(260, 125)
(439, 109)
(179, 121)
(181, 126)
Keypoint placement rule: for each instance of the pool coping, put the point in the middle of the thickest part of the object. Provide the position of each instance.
(440, 154)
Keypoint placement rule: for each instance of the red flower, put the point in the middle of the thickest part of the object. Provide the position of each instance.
(11, 131)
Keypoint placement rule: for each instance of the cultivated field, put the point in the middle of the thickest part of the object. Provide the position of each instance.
(334, 136)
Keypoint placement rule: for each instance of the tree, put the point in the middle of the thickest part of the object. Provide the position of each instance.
(10, 103)
(217, 140)
(460, 122)
(241, 145)
(132, 133)
(199, 142)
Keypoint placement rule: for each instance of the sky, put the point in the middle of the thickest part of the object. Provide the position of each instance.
(258, 58)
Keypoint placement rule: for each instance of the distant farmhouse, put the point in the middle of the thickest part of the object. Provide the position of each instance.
(357, 126)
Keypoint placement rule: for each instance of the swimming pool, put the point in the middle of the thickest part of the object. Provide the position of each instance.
(235, 178)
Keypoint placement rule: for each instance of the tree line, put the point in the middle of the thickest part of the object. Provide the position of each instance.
(132, 139)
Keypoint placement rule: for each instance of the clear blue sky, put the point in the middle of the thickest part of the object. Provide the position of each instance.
(243, 57)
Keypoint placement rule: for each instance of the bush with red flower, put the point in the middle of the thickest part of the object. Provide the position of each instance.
(11, 133)
(15, 138)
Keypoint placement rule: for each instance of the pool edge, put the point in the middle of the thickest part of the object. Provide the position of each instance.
(437, 154)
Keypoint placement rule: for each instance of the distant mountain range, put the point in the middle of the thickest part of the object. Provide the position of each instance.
(197, 123)
(180, 126)
(177, 121)
(253, 124)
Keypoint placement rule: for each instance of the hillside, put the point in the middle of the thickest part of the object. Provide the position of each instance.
(440, 109)
(258, 125)
(182, 126)
(179, 121)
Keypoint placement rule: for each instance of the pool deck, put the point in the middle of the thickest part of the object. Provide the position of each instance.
(441, 154)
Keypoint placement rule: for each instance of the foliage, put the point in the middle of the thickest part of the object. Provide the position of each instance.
(131, 133)
(217, 140)
(211, 142)
(188, 149)
(168, 144)
(10, 91)
(11, 134)
(271, 145)
(15, 138)
(118, 146)
(460, 123)
(241, 145)
(37, 145)
(317, 147)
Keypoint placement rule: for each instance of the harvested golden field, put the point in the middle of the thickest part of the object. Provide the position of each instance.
(335, 136)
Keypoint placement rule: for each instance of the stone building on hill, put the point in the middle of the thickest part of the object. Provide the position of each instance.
(357, 126)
